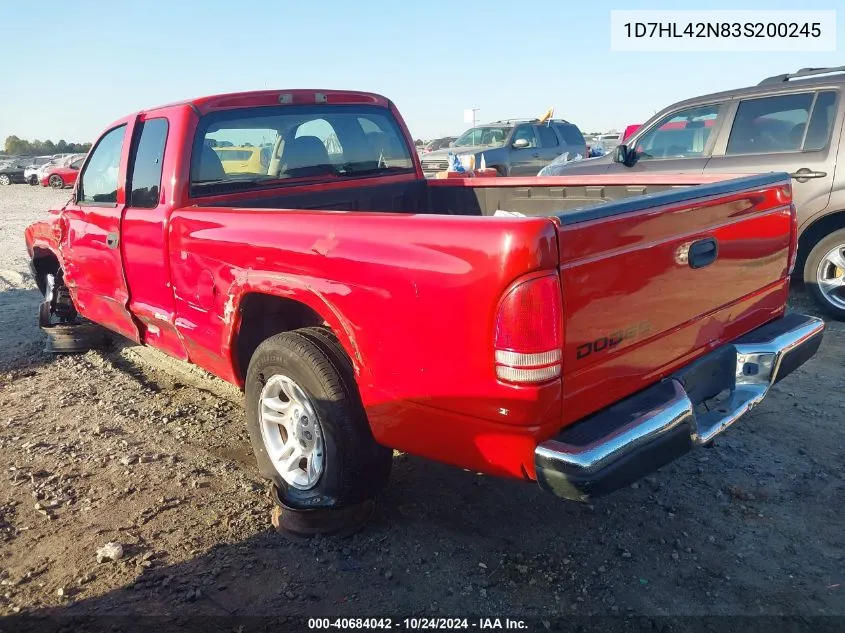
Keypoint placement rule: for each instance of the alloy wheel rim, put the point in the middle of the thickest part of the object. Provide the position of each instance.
(291, 432)
(830, 276)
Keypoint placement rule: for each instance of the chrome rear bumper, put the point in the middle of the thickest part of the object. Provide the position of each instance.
(638, 435)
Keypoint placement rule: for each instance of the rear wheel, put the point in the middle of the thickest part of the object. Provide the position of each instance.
(308, 431)
(824, 274)
(56, 182)
(5, 180)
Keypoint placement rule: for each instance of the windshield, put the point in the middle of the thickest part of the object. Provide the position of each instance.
(486, 135)
(251, 148)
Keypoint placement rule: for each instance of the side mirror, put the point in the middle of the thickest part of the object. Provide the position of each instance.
(623, 154)
(520, 143)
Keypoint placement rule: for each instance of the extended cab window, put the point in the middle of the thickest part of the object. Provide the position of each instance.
(770, 124)
(258, 147)
(683, 134)
(145, 182)
(98, 181)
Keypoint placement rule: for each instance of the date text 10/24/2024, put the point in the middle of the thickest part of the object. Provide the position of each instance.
(418, 624)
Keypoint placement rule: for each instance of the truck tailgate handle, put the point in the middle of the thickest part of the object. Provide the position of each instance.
(703, 252)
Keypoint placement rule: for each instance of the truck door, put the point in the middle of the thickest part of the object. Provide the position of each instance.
(91, 240)
(144, 234)
(788, 133)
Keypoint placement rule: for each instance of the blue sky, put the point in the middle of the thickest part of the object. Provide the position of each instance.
(72, 67)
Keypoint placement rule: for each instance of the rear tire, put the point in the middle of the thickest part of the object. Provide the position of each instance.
(301, 400)
(824, 274)
(56, 182)
(381, 462)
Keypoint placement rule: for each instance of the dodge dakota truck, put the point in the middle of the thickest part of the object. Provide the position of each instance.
(603, 327)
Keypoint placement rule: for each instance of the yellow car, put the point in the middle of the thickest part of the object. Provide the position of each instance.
(242, 160)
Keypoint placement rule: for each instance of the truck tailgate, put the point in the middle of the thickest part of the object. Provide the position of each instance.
(651, 283)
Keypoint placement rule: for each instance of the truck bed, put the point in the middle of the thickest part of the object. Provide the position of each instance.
(467, 196)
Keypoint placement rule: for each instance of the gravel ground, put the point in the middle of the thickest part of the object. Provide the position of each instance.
(122, 446)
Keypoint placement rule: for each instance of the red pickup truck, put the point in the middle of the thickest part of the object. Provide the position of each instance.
(617, 325)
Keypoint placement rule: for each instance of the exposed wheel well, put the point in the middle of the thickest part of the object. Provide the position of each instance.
(815, 232)
(45, 263)
(261, 317)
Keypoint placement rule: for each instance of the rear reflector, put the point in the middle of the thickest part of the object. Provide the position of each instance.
(512, 374)
(529, 332)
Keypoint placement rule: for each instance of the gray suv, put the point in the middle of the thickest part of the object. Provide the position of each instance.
(791, 123)
(514, 147)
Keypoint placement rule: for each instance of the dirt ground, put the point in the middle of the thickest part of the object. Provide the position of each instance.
(122, 446)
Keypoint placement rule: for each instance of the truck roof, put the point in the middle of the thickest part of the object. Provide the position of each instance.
(258, 98)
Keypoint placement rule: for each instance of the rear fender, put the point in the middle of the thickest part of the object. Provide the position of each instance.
(311, 292)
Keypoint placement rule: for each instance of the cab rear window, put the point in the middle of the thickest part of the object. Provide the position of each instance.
(295, 143)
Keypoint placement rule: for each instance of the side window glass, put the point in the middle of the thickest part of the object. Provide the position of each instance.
(571, 135)
(98, 182)
(525, 132)
(548, 138)
(145, 180)
(681, 134)
(770, 124)
(821, 121)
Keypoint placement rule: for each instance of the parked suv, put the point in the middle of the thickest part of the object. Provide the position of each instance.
(514, 147)
(791, 123)
(438, 143)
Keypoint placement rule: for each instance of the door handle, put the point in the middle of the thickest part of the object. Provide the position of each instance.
(703, 252)
(804, 174)
(112, 240)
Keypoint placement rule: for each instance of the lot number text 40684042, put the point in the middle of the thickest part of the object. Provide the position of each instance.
(418, 624)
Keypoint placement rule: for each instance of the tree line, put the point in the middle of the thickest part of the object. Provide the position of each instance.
(20, 147)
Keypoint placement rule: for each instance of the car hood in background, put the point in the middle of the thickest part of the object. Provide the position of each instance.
(597, 165)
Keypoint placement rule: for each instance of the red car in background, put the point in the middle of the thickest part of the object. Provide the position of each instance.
(60, 177)
(629, 131)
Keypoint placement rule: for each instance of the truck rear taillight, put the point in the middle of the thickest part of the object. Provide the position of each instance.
(529, 332)
(793, 242)
(784, 196)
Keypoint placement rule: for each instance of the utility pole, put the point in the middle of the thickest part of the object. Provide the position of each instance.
(469, 115)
